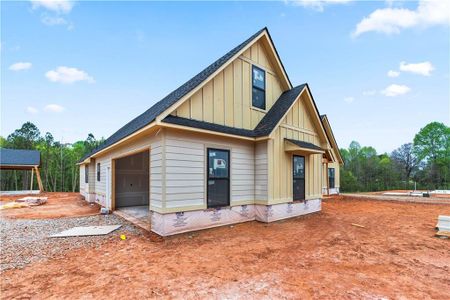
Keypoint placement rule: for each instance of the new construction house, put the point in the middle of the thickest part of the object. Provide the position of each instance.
(237, 142)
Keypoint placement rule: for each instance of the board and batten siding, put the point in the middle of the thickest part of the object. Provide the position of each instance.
(185, 169)
(336, 167)
(151, 142)
(298, 125)
(227, 98)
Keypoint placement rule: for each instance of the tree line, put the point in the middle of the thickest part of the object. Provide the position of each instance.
(59, 169)
(424, 163)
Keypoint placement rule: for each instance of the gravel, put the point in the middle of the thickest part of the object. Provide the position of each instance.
(27, 241)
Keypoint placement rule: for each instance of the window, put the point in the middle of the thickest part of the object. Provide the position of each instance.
(218, 176)
(331, 177)
(298, 177)
(86, 174)
(259, 88)
(98, 171)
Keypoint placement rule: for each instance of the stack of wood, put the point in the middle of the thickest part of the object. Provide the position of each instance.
(443, 226)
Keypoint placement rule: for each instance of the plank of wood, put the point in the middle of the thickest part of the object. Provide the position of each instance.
(358, 225)
(443, 234)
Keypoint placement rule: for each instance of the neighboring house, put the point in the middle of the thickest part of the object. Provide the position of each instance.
(235, 143)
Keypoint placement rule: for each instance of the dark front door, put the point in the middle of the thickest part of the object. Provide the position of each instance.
(299, 177)
(218, 176)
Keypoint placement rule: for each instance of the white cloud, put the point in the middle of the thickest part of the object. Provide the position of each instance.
(32, 110)
(58, 6)
(392, 73)
(349, 99)
(393, 20)
(318, 5)
(423, 68)
(369, 93)
(20, 66)
(54, 108)
(68, 75)
(51, 21)
(395, 90)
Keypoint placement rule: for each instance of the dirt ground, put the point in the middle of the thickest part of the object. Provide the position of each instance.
(58, 205)
(445, 196)
(319, 256)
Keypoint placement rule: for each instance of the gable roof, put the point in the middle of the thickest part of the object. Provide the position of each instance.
(264, 127)
(278, 110)
(19, 158)
(161, 106)
(332, 140)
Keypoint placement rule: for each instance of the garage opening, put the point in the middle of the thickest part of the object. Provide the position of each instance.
(131, 188)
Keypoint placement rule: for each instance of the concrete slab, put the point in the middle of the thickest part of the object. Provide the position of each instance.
(138, 215)
(139, 212)
(87, 231)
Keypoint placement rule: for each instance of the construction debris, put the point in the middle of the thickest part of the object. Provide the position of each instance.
(443, 223)
(33, 200)
(443, 234)
(13, 205)
(87, 231)
(357, 225)
(24, 202)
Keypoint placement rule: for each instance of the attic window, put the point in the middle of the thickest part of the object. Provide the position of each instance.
(259, 88)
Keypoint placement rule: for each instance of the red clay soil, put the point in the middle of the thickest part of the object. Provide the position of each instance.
(321, 256)
(58, 205)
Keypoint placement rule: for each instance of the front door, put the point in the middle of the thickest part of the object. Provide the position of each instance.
(218, 178)
(298, 171)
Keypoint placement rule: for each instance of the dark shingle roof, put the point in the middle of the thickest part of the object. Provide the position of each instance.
(264, 127)
(15, 157)
(277, 111)
(305, 144)
(150, 115)
(209, 126)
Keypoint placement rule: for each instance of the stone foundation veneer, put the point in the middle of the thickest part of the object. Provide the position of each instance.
(174, 223)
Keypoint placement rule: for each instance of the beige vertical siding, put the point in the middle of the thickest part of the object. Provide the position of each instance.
(226, 99)
(297, 124)
(337, 176)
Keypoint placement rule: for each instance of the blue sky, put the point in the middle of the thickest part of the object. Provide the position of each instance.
(78, 67)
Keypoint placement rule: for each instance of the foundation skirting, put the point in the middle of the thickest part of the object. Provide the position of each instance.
(333, 191)
(174, 223)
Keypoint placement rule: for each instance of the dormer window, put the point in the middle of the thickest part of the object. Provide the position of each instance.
(259, 88)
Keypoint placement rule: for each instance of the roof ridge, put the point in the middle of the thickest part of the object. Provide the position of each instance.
(159, 107)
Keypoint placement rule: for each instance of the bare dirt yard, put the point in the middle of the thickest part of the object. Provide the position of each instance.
(395, 255)
(58, 205)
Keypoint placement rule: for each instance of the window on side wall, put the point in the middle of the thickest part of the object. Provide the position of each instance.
(98, 171)
(86, 174)
(258, 88)
(331, 173)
